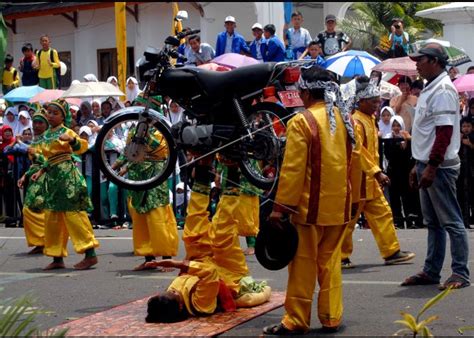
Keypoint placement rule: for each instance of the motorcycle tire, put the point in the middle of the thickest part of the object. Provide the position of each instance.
(245, 167)
(133, 114)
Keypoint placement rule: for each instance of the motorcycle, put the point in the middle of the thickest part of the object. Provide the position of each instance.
(226, 112)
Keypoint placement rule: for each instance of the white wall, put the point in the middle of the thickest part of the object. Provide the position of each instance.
(313, 16)
(96, 30)
(460, 35)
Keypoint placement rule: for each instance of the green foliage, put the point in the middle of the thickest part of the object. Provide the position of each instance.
(17, 318)
(414, 326)
(369, 21)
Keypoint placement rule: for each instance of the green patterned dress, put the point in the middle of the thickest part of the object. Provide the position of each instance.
(64, 186)
(34, 197)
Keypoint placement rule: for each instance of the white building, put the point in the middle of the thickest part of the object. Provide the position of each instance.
(458, 25)
(84, 32)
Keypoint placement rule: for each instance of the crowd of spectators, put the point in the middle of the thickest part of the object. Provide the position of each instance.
(394, 119)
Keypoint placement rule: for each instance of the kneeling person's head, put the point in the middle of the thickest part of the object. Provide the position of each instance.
(167, 307)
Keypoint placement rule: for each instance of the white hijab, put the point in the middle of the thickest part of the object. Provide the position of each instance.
(20, 126)
(90, 78)
(386, 129)
(110, 78)
(14, 124)
(132, 94)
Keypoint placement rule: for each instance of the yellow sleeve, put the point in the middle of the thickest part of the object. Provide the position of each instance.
(204, 297)
(80, 146)
(56, 63)
(293, 172)
(367, 161)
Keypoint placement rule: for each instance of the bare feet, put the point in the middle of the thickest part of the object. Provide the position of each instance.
(55, 266)
(162, 269)
(36, 250)
(86, 263)
(249, 252)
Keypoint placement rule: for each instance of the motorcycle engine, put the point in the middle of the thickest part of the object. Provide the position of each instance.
(198, 135)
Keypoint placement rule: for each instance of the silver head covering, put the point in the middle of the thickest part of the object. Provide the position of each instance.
(368, 92)
(332, 94)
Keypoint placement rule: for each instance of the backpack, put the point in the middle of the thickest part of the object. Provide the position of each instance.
(57, 70)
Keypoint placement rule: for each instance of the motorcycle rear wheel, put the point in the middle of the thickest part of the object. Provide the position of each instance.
(262, 166)
(123, 120)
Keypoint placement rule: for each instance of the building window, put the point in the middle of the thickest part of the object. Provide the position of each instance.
(107, 62)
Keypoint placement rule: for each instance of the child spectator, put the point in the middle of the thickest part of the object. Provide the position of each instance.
(275, 48)
(296, 38)
(314, 51)
(331, 41)
(10, 78)
(47, 63)
(399, 39)
(466, 175)
(132, 89)
(257, 46)
(230, 41)
(30, 74)
(404, 105)
(385, 126)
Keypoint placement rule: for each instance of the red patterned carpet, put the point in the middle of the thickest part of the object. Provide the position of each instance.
(129, 320)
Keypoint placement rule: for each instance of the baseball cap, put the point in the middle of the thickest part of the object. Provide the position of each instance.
(431, 49)
(330, 17)
(229, 19)
(257, 25)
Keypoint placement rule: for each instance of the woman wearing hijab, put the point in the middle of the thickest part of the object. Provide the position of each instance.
(24, 122)
(66, 198)
(11, 119)
(85, 113)
(132, 89)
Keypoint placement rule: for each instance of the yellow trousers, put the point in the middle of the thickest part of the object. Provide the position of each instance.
(318, 257)
(228, 255)
(380, 219)
(33, 223)
(155, 233)
(247, 215)
(60, 225)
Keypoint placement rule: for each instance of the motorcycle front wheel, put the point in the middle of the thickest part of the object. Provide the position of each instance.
(113, 141)
(262, 155)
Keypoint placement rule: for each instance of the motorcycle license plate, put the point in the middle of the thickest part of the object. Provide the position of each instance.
(290, 98)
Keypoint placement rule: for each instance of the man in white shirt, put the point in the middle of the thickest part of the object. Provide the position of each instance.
(435, 146)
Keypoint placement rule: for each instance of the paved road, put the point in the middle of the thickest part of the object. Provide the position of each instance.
(373, 298)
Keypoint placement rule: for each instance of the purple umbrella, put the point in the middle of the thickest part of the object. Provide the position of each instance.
(234, 60)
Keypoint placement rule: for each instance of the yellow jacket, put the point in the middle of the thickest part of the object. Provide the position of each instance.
(365, 159)
(199, 287)
(10, 77)
(46, 70)
(54, 147)
(314, 178)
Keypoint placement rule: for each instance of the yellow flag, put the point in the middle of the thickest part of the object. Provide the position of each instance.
(176, 26)
(121, 41)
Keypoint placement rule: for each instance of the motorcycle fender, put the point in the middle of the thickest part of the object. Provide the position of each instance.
(137, 109)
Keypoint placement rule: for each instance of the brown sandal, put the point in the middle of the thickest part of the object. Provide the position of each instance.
(86, 263)
(281, 330)
(455, 282)
(420, 278)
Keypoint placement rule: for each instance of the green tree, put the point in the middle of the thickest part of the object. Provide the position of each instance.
(368, 22)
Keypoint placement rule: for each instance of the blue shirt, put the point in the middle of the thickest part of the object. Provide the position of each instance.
(298, 40)
(257, 48)
(275, 50)
(398, 40)
(238, 44)
(204, 54)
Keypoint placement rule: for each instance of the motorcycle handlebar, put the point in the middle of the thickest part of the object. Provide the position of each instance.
(185, 34)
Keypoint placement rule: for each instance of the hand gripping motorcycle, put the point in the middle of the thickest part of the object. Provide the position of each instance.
(225, 112)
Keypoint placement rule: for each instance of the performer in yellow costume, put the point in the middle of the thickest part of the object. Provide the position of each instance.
(314, 189)
(212, 273)
(33, 213)
(366, 178)
(155, 232)
(65, 197)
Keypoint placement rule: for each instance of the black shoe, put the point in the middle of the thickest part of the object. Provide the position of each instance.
(346, 264)
(399, 257)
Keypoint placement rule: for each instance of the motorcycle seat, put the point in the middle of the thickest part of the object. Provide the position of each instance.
(241, 81)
